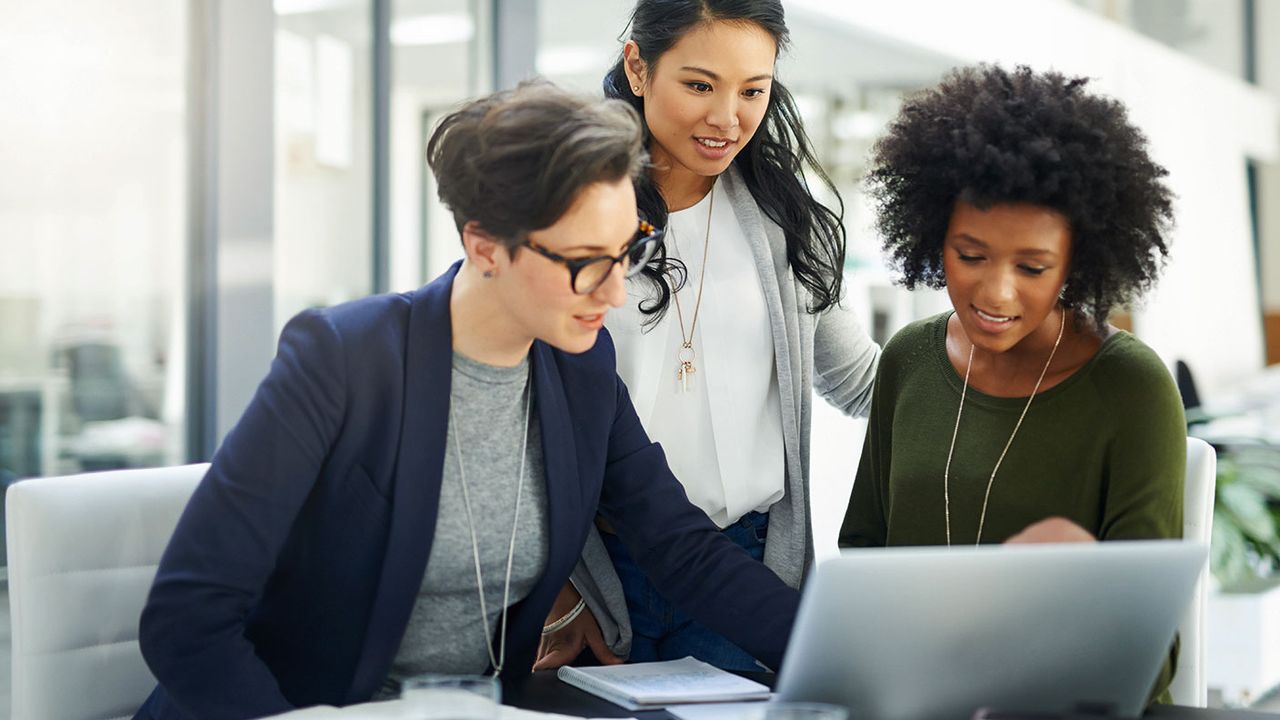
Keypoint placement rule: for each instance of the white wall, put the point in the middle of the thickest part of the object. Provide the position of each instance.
(1268, 68)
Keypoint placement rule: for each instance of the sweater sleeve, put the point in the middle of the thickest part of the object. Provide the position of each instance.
(1146, 463)
(866, 520)
(1147, 458)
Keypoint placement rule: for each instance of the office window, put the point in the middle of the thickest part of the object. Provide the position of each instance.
(440, 57)
(92, 235)
(578, 42)
(323, 154)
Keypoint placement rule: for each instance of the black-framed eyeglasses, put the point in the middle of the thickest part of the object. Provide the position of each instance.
(587, 274)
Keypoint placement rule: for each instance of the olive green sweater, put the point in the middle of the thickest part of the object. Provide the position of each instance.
(1105, 448)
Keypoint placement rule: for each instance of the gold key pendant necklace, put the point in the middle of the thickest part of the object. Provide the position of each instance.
(685, 368)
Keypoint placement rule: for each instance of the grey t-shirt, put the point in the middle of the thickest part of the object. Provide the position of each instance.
(446, 633)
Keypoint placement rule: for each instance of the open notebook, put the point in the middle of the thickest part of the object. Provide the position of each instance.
(650, 685)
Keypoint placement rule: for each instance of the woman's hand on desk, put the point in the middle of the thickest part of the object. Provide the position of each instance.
(562, 646)
(1052, 530)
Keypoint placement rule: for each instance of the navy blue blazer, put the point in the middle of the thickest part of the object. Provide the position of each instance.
(292, 572)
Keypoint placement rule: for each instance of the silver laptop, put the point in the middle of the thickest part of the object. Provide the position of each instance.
(936, 633)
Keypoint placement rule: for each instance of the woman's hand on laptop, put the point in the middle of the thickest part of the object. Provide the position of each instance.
(1052, 530)
(562, 646)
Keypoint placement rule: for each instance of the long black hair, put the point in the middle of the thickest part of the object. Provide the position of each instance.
(771, 164)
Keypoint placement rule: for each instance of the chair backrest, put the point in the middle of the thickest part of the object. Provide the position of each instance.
(1186, 385)
(83, 551)
(1189, 682)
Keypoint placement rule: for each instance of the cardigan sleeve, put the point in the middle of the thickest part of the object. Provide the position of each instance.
(844, 361)
(596, 580)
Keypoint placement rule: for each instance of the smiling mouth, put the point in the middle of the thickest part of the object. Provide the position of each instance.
(714, 144)
(993, 318)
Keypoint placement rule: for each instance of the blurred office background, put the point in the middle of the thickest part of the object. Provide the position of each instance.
(179, 177)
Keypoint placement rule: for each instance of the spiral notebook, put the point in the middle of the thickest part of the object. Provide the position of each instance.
(642, 686)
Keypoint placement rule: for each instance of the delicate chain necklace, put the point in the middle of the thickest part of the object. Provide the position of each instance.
(501, 658)
(684, 356)
(946, 473)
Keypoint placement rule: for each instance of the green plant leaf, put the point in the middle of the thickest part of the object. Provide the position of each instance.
(1263, 478)
(1228, 471)
(1257, 465)
(1228, 553)
(1248, 511)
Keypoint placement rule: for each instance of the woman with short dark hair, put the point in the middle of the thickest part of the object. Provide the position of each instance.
(1021, 415)
(413, 481)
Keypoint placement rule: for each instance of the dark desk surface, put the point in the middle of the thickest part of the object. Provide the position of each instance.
(545, 693)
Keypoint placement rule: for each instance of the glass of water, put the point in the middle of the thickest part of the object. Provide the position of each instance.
(451, 697)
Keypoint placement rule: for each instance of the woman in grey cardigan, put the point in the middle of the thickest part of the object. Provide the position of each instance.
(727, 330)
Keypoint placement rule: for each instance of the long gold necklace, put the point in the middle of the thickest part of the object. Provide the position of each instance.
(946, 473)
(684, 355)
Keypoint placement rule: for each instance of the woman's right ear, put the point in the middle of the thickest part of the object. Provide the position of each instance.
(634, 67)
(480, 247)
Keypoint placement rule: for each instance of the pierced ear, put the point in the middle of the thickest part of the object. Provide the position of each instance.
(634, 67)
(481, 247)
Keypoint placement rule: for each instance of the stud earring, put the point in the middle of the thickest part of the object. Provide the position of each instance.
(488, 274)
(635, 89)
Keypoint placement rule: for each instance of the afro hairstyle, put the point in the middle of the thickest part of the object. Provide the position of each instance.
(989, 136)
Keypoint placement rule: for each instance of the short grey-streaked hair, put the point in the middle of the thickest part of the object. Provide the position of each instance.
(514, 161)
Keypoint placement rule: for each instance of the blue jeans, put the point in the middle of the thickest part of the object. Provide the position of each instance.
(662, 632)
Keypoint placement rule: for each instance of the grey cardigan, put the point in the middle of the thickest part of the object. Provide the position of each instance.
(829, 352)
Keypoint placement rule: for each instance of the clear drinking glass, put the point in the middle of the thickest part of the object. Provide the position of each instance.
(451, 697)
(804, 711)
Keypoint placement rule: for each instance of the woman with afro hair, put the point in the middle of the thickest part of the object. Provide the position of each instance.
(1021, 415)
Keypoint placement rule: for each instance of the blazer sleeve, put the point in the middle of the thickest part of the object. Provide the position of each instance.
(225, 546)
(844, 361)
(683, 552)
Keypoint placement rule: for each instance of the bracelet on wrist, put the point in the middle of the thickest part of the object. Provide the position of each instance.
(568, 618)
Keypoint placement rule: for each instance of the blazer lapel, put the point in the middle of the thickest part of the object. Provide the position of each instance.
(416, 488)
(560, 455)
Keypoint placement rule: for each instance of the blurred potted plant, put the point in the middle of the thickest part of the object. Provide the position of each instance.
(1246, 515)
(1244, 613)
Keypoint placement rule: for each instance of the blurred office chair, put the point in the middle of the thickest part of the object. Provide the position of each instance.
(83, 551)
(1190, 682)
(100, 389)
(111, 425)
(1191, 403)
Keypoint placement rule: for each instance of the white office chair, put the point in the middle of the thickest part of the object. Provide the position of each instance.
(83, 551)
(1189, 682)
